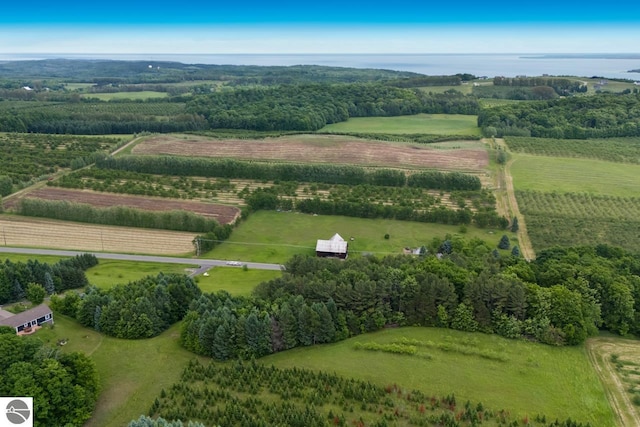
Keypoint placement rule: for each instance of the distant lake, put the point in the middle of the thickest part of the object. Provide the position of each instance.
(604, 65)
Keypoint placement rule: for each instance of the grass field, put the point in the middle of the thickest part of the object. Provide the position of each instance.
(564, 175)
(236, 281)
(147, 94)
(269, 236)
(438, 124)
(463, 88)
(534, 379)
(109, 273)
(132, 372)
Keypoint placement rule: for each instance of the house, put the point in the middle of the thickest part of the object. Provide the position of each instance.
(27, 321)
(335, 247)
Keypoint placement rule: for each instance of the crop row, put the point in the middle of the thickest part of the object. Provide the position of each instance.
(546, 231)
(580, 219)
(579, 206)
(318, 173)
(236, 191)
(245, 394)
(28, 156)
(623, 150)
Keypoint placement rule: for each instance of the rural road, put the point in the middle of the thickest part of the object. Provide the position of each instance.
(203, 264)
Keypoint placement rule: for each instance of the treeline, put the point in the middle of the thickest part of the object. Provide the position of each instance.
(140, 309)
(176, 220)
(600, 116)
(137, 72)
(311, 107)
(69, 273)
(64, 386)
(363, 209)
(560, 299)
(561, 86)
(422, 81)
(55, 121)
(320, 173)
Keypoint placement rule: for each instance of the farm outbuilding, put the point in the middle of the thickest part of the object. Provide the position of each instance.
(27, 321)
(335, 247)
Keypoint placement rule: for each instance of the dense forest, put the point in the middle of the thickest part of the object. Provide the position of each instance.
(64, 386)
(140, 309)
(311, 107)
(561, 298)
(601, 116)
(16, 277)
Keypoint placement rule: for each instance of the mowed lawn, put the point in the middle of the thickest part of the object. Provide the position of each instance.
(558, 382)
(236, 281)
(109, 273)
(571, 175)
(132, 372)
(437, 124)
(269, 236)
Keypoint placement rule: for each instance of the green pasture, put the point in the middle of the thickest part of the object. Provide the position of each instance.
(109, 273)
(78, 86)
(564, 175)
(610, 86)
(145, 94)
(438, 124)
(464, 88)
(269, 236)
(132, 372)
(236, 281)
(535, 379)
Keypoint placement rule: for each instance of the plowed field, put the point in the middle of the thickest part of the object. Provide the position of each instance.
(31, 232)
(320, 149)
(223, 214)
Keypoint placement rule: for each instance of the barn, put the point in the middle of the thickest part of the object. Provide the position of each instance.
(335, 247)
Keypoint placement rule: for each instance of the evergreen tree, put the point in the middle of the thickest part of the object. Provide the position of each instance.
(48, 283)
(515, 251)
(504, 242)
(514, 225)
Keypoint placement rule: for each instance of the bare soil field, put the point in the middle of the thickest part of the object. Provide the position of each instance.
(617, 362)
(223, 214)
(35, 232)
(319, 149)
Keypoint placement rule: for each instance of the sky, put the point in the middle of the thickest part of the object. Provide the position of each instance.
(330, 26)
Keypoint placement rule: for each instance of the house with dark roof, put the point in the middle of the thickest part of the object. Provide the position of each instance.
(27, 321)
(336, 247)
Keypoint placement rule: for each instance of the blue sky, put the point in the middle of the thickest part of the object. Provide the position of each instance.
(399, 26)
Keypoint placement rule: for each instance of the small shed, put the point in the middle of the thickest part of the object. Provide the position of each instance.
(26, 321)
(335, 247)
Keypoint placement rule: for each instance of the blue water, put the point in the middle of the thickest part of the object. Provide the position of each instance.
(490, 65)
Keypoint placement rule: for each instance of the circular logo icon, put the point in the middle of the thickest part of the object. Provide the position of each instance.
(18, 412)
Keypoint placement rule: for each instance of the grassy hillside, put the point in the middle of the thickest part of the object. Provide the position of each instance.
(439, 124)
(523, 378)
(533, 378)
